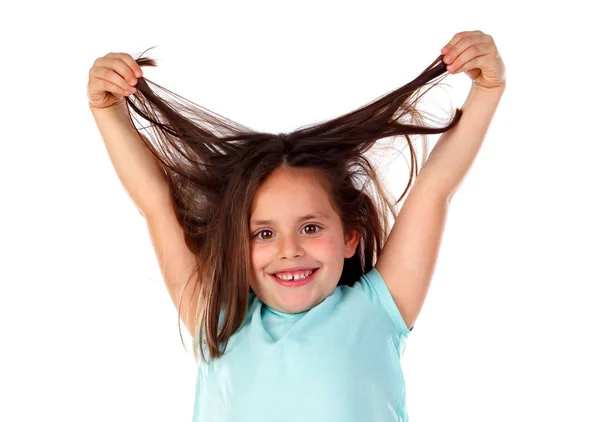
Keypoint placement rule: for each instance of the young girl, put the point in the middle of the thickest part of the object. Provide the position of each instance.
(272, 245)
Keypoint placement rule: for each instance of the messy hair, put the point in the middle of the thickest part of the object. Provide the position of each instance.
(214, 167)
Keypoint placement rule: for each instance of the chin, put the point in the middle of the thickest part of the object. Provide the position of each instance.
(291, 303)
(291, 300)
(294, 304)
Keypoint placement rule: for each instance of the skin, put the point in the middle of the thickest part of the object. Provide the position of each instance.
(285, 242)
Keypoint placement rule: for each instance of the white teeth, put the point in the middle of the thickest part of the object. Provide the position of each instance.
(296, 277)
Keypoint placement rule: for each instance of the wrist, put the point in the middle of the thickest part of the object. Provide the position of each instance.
(113, 105)
(499, 89)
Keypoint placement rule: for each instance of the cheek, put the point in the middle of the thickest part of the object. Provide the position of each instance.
(325, 247)
(260, 256)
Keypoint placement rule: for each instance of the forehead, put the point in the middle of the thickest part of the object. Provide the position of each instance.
(290, 193)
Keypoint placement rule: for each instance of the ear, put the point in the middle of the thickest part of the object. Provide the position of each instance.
(351, 242)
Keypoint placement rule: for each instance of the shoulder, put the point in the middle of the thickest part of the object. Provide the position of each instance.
(372, 286)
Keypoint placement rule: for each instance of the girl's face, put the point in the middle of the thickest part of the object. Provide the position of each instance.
(282, 239)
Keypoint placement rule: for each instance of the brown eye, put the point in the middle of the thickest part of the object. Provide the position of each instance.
(317, 228)
(262, 231)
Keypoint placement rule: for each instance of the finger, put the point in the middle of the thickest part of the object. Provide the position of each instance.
(458, 37)
(458, 64)
(106, 79)
(117, 62)
(129, 61)
(112, 88)
(122, 68)
(453, 41)
(462, 45)
(475, 63)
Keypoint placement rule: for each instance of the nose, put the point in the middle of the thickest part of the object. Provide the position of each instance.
(289, 247)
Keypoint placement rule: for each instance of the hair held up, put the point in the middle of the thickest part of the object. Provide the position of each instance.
(214, 167)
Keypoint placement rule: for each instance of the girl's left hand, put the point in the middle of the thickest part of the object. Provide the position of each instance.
(476, 54)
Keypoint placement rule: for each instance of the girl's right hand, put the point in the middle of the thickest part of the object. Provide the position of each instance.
(111, 78)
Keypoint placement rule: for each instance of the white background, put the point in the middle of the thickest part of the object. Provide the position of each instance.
(509, 330)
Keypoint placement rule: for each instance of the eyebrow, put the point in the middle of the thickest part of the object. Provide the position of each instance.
(303, 218)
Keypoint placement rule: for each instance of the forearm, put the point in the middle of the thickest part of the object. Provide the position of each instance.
(137, 168)
(456, 149)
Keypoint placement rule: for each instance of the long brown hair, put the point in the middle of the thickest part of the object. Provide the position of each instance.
(214, 167)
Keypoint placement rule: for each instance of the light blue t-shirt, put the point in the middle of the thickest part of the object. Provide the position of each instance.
(337, 362)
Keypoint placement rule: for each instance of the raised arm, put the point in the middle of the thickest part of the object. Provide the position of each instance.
(144, 181)
(138, 170)
(408, 260)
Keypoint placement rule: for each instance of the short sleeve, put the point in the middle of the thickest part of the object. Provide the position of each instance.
(378, 294)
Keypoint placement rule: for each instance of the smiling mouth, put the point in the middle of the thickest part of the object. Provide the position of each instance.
(308, 275)
(293, 282)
